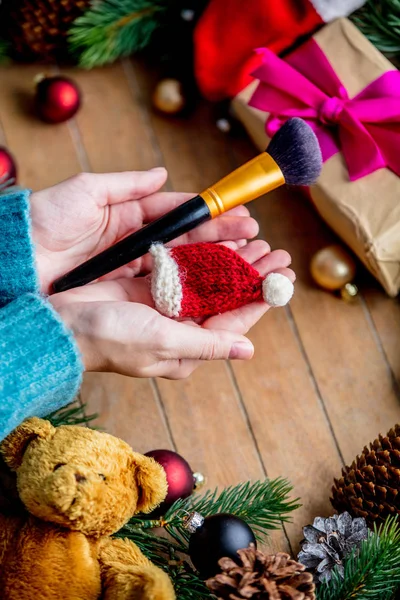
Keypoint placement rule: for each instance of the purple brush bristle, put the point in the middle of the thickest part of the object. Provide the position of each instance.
(295, 149)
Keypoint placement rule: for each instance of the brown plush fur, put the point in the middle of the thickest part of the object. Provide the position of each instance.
(77, 487)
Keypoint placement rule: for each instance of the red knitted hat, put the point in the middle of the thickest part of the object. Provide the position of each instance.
(229, 30)
(201, 280)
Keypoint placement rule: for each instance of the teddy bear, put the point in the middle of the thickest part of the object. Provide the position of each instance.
(65, 491)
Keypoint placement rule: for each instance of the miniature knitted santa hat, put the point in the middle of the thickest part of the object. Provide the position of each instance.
(229, 30)
(202, 280)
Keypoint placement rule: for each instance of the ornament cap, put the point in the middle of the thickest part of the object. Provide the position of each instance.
(349, 292)
(193, 521)
(199, 481)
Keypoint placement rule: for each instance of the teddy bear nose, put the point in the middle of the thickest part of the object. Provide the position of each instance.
(80, 478)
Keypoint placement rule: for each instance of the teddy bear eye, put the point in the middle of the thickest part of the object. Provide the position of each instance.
(58, 465)
(102, 476)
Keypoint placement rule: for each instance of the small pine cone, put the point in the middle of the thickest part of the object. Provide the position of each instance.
(370, 487)
(262, 577)
(37, 29)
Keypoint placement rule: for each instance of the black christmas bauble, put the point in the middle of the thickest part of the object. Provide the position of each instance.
(180, 478)
(219, 536)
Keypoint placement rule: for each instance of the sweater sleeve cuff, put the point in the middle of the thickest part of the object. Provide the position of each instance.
(40, 364)
(17, 256)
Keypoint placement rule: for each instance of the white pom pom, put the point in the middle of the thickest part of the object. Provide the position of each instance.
(277, 289)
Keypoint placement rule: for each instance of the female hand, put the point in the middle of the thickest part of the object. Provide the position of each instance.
(118, 329)
(82, 216)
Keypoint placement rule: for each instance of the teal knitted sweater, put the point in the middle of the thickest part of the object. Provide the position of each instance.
(40, 364)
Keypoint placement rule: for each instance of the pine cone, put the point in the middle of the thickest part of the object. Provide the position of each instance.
(262, 577)
(370, 487)
(328, 542)
(37, 29)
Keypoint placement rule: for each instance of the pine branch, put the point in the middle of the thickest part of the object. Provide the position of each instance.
(379, 20)
(74, 414)
(373, 572)
(113, 29)
(264, 505)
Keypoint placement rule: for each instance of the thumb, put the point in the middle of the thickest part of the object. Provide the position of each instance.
(195, 343)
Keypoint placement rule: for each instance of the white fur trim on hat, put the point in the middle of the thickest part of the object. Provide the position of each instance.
(277, 289)
(166, 287)
(329, 10)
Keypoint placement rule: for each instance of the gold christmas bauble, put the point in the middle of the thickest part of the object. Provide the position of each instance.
(332, 268)
(168, 97)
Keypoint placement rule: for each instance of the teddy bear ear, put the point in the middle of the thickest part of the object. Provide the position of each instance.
(152, 483)
(13, 447)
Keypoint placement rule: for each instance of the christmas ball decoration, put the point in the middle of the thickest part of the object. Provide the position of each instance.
(333, 269)
(216, 537)
(168, 97)
(8, 169)
(370, 486)
(37, 29)
(180, 477)
(259, 574)
(57, 99)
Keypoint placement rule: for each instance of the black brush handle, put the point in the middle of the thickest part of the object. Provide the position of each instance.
(182, 219)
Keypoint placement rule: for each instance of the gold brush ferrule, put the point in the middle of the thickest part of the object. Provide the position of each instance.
(253, 179)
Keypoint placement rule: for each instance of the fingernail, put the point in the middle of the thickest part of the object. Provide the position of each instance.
(157, 169)
(241, 351)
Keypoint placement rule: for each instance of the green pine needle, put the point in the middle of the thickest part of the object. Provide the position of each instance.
(4, 52)
(112, 29)
(74, 414)
(379, 20)
(373, 572)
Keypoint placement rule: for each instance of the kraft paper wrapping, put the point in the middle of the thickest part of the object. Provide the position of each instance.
(364, 213)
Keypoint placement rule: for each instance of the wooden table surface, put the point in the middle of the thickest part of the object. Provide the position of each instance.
(325, 377)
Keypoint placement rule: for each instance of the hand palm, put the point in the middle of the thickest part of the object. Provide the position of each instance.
(88, 213)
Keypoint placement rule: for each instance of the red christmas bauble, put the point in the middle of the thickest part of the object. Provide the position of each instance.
(8, 169)
(57, 99)
(181, 481)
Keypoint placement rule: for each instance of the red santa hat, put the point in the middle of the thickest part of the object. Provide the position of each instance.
(229, 30)
(201, 280)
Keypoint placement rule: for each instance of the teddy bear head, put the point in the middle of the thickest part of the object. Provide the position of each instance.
(79, 478)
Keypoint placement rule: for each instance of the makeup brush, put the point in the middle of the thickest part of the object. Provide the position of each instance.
(293, 157)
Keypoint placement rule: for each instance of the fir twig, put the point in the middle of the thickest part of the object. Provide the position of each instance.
(379, 20)
(264, 505)
(74, 414)
(113, 29)
(372, 572)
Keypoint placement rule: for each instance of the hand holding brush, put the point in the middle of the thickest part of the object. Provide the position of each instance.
(293, 157)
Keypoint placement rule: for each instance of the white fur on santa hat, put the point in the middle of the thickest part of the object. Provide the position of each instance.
(329, 10)
(277, 290)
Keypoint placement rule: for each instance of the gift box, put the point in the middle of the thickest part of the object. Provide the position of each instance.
(350, 94)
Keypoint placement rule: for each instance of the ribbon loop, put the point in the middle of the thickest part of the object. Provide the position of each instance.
(357, 127)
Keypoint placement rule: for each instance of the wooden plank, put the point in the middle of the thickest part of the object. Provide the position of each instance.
(288, 420)
(109, 126)
(127, 408)
(349, 368)
(110, 122)
(385, 314)
(206, 414)
(45, 153)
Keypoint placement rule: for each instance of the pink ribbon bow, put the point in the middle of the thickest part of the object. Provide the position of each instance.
(366, 128)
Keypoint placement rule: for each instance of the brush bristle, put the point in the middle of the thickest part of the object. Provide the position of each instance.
(295, 148)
